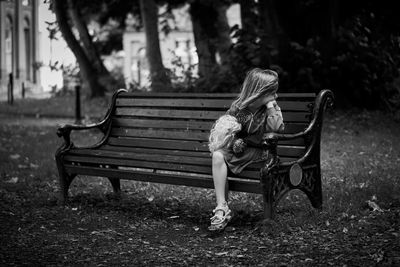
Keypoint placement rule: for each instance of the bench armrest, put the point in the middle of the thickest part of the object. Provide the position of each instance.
(65, 130)
(323, 100)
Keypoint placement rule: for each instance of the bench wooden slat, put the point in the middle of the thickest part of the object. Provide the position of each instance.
(176, 135)
(164, 124)
(169, 113)
(203, 103)
(140, 164)
(291, 152)
(143, 157)
(139, 150)
(188, 145)
(197, 181)
(197, 114)
(206, 169)
(160, 134)
(186, 124)
(158, 155)
(158, 143)
(168, 152)
(311, 96)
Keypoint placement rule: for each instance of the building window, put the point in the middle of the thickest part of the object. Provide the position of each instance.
(28, 52)
(26, 2)
(9, 44)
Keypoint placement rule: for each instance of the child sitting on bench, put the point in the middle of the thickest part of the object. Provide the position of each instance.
(235, 139)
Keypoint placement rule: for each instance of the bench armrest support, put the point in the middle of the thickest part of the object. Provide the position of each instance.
(324, 100)
(65, 130)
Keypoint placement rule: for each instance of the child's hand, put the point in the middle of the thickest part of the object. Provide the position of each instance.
(270, 100)
(271, 104)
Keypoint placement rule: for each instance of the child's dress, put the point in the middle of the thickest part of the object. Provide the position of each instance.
(254, 126)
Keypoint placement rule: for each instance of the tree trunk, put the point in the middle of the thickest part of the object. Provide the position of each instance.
(159, 78)
(247, 15)
(105, 77)
(88, 73)
(200, 16)
(272, 36)
(223, 40)
(330, 33)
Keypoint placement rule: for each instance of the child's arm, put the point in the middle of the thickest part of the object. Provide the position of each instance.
(274, 118)
(232, 110)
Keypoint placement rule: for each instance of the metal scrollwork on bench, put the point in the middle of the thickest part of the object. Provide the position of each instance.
(309, 177)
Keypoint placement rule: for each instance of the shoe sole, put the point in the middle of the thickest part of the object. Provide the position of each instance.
(221, 226)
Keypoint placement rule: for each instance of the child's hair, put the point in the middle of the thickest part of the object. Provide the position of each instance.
(258, 82)
(223, 132)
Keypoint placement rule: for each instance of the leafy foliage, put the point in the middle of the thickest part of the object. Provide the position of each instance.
(357, 55)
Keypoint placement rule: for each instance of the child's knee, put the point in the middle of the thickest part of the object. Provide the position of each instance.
(218, 158)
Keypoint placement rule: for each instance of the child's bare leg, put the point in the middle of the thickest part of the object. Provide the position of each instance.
(220, 173)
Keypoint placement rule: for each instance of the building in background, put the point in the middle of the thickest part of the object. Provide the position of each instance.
(52, 51)
(178, 43)
(177, 46)
(19, 49)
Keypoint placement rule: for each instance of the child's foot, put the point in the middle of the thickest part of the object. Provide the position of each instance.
(222, 216)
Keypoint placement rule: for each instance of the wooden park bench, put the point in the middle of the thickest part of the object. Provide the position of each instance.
(163, 138)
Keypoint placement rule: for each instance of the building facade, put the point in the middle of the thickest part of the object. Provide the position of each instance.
(177, 45)
(178, 50)
(19, 55)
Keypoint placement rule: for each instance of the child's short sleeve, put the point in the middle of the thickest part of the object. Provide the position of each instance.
(274, 120)
(232, 110)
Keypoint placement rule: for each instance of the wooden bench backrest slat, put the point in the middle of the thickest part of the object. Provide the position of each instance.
(139, 150)
(181, 122)
(158, 143)
(218, 104)
(162, 124)
(186, 124)
(160, 134)
(188, 145)
(196, 114)
(135, 95)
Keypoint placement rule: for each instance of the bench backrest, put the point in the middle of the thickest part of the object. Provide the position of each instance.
(179, 124)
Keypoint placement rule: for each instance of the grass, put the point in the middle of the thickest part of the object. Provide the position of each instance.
(58, 106)
(162, 225)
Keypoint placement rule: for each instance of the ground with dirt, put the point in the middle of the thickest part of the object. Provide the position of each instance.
(162, 225)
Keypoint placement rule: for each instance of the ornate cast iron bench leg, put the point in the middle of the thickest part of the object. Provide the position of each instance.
(65, 178)
(268, 177)
(65, 181)
(311, 186)
(115, 183)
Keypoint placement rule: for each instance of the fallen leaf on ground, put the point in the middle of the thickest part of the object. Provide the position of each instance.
(13, 180)
(34, 166)
(221, 253)
(374, 206)
(15, 156)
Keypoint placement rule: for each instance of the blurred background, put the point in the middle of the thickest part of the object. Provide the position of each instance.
(350, 47)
